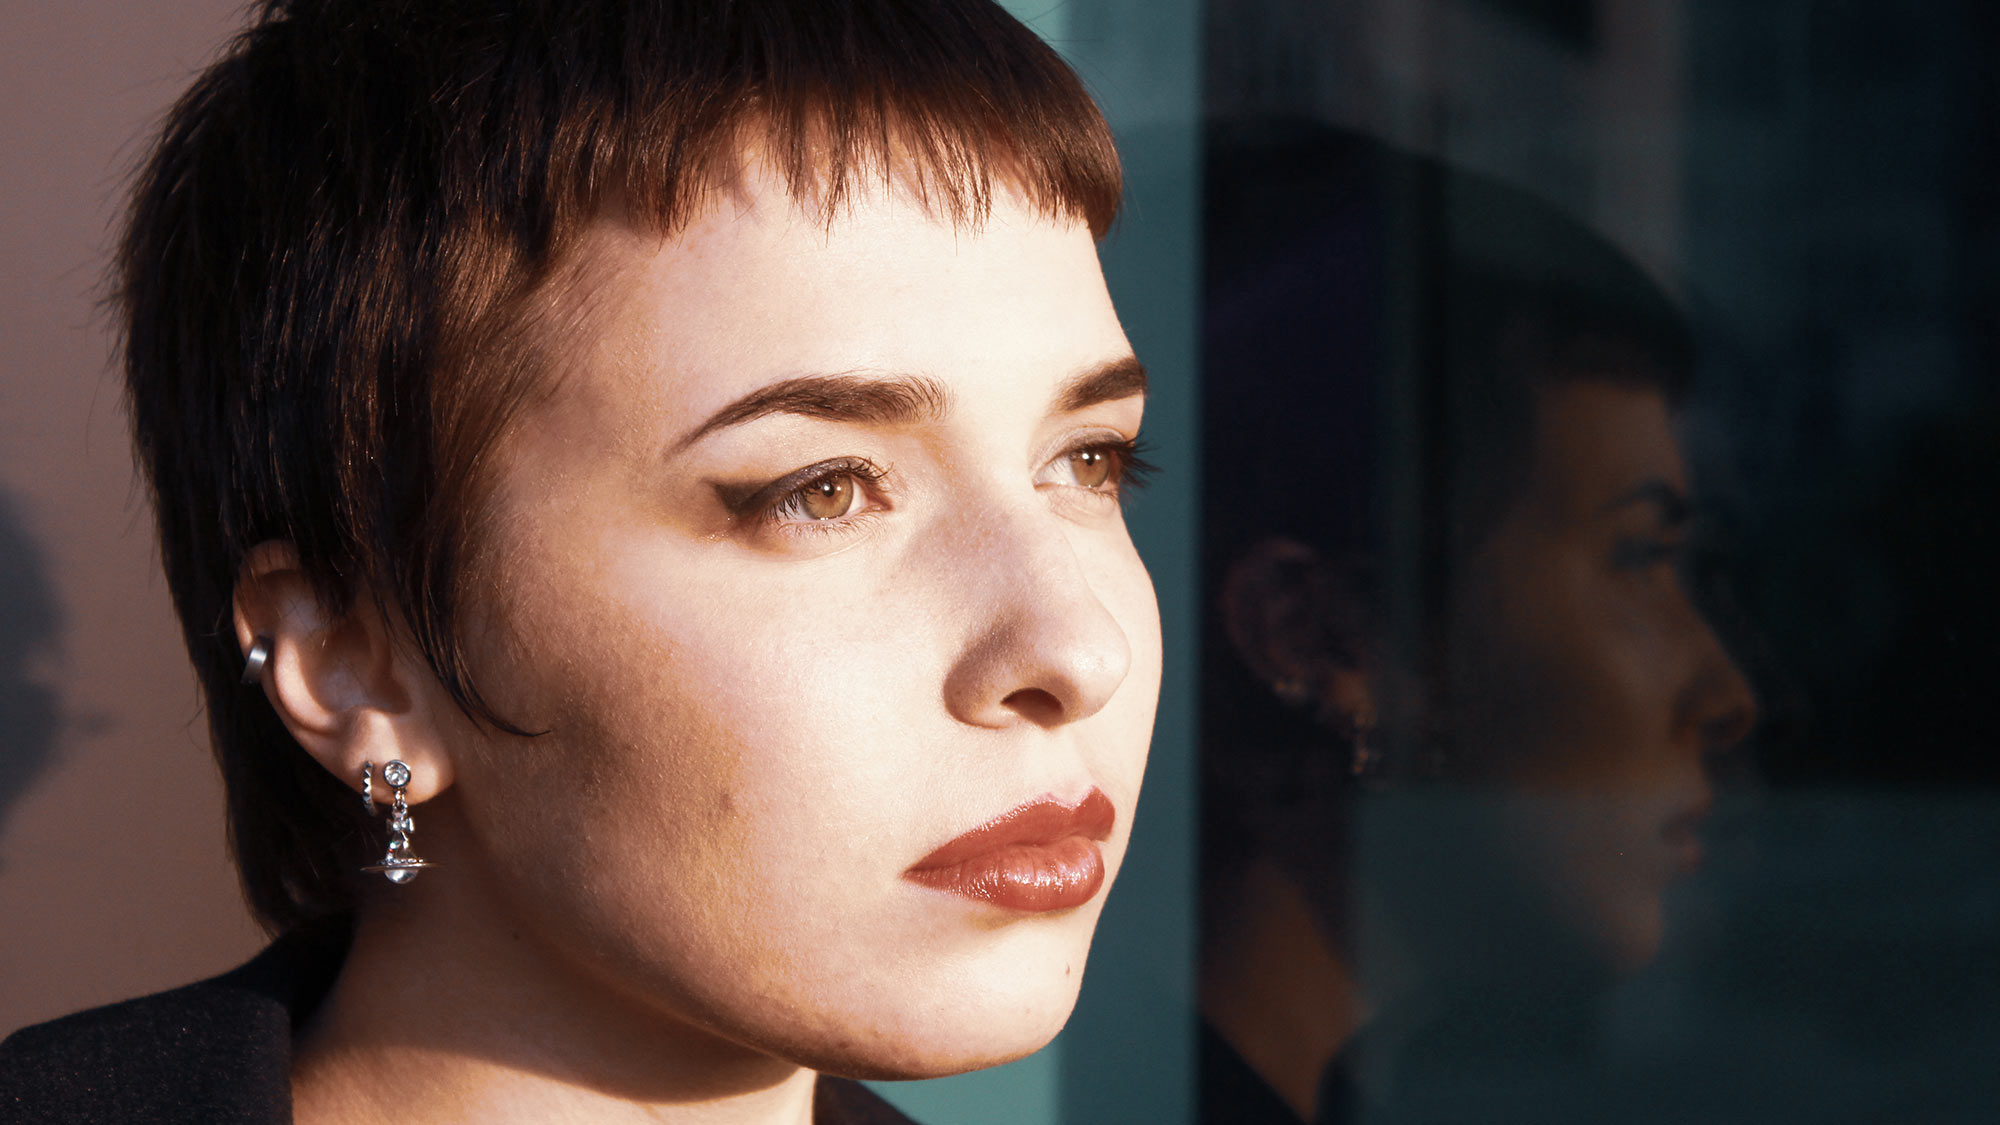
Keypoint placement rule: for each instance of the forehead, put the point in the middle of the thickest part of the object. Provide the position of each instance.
(1597, 439)
(762, 286)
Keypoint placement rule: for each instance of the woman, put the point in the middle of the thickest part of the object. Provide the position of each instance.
(666, 457)
(1462, 701)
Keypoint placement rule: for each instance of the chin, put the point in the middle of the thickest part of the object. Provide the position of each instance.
(1629, 936)
(991, 1007)
(973, 1038)
(927, 1060)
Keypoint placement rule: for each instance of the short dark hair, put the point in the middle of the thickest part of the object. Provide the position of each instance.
(332, 242)
(1336, 265)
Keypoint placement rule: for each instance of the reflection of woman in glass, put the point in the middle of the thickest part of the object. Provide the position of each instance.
(1454, 762)
(675, 450)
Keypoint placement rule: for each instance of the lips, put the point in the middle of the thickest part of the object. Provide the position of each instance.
(1682, 835)
(1039, 857)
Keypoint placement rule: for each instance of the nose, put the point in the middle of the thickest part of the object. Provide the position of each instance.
(1042, 646)
(1720, 707)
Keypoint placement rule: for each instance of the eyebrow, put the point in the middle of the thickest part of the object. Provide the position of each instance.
(902, 399)
(894, 400)
(1107, 382)
(1675, 507)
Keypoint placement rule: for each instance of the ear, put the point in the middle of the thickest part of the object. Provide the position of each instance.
(349, 688)
(1296, 619)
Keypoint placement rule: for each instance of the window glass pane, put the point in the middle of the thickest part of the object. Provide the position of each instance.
(1599, 449)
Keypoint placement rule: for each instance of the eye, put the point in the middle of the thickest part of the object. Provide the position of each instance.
(1640, 553)
(828, 493)
(824, 498)
(1094, 468)
(1107, 467)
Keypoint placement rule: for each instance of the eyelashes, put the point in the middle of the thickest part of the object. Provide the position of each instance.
(826, 496)
(1108, 469)
(839, 493)
(819, 492)
(1135, 472)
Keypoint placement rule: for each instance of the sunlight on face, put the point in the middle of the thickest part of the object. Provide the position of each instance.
(812, 561)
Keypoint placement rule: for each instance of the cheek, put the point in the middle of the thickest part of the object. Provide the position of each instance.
(1569, 731)
(728, 693)
(1567, 685)
(1622, 673)
(690, 735)
(716, 819)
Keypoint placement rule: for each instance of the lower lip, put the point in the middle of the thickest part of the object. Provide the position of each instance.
(1034, 878)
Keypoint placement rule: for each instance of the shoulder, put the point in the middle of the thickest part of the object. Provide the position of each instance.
(217, 1051)
(184, 1055)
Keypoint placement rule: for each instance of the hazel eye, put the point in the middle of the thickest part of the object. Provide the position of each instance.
(1094, 468)
(828, 497)
(835, 494)
(1108, 468)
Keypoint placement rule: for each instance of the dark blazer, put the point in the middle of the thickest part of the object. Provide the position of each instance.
(220, 1052)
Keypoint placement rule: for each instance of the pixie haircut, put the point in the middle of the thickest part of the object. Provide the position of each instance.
(334, 243)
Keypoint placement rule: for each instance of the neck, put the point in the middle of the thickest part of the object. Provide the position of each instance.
(1275, 987)
(433, 1022)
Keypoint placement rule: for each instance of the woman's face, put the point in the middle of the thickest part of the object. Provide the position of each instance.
(1588, 688)
(810, 562)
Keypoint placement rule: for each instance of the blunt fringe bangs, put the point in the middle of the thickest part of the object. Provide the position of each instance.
(332, 243)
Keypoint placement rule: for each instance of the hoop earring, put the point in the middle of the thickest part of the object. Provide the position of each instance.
(254, 660)
(398, 864)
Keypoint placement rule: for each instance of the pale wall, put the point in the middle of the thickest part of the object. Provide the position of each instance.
(113, 878)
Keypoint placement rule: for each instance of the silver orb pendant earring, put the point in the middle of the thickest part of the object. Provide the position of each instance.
(398, 864)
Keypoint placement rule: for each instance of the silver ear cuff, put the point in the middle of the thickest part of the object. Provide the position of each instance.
(254, 660)
(399, 864)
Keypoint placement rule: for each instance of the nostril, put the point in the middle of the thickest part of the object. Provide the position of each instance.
(1722, 731)
(1038, 706)
(1721, 702)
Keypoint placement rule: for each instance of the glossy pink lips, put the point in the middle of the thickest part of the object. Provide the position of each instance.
(1039, 857)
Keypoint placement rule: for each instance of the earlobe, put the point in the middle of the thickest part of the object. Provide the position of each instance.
(1268, 608)
(1298, 623)
(345, 684)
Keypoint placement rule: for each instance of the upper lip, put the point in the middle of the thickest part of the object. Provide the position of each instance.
(1043, 820)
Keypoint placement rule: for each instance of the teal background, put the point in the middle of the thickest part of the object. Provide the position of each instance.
(1128, 1052)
